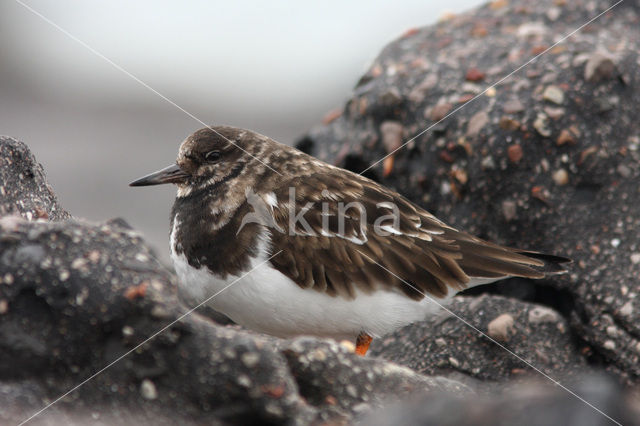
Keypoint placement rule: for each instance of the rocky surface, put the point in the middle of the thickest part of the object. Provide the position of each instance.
(450, 344)
(547, 159)
(533, 404)
(78, 302)
(24, 189)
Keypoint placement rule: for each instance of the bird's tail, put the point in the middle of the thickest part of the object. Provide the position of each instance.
(553, 264)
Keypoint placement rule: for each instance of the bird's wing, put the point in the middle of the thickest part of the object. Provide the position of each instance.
(384, 241)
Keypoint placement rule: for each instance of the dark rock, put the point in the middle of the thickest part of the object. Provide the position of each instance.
(446, 346)
(71, 311)
(21, 174)
(596, 206)
(327, 373)
(528, 405)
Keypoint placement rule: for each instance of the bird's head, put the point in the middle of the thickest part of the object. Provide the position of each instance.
(211, 157)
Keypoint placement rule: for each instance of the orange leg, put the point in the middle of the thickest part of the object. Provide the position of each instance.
(362, 343)
(387, 166)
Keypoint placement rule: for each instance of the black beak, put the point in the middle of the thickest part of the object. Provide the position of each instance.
(171, 174)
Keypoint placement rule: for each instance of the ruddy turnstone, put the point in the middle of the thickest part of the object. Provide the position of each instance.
(330, 253)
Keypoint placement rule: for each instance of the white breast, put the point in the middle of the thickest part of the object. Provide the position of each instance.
(267, 301)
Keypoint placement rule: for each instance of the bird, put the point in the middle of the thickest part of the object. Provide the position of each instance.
(285, 244)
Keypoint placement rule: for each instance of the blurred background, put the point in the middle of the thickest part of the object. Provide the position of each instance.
(274, 67)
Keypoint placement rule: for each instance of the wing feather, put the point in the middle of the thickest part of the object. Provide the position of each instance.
(420, 255)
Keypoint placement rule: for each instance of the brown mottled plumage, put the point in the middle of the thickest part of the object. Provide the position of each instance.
(218, 166)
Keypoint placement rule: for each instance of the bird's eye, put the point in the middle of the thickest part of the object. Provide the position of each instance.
(212, 156)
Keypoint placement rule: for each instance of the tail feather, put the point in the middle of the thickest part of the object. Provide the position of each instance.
(553, 264)
(482, 259)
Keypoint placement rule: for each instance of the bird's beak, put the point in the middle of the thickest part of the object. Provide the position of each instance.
(171, 174)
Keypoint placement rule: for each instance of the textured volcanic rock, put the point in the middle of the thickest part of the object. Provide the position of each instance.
(529, 405)
(76, 298)
(548, 159)
(446, 346)
(327, 373)
(22, 175)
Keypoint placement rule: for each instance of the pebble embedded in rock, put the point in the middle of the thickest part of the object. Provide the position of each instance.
(509, 210)
(515, 154)
(80, 264)
(553, 94)
(488, 163)
(508, 123)
(390, 97)
(460, 175)
(474, 74)
(531, 30)
(244, 380)
(477, 123)
(418, 93)
(565, 137)
(542, 314)
(501, 328)
(440, 111)
(513, 106)
(391, 135)
(554, 13)
(541, 124)
(7, 279)
(352, 391)
(348, 345)
(627, 309)
(250, 359)
(560, 177)
(600, 66)
(148, 390)
(635, 258)
(624, 171)
(554, 113)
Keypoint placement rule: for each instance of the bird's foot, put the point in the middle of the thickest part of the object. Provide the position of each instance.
(362, 343)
